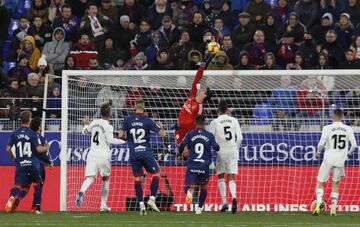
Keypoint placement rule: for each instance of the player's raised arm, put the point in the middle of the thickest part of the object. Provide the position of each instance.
(352, 142)
(199, 74)
(87, 126)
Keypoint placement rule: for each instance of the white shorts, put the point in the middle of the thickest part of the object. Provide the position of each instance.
(226, 164)
(96, 165)
(326, 169)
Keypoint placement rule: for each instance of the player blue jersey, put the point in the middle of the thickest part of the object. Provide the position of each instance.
(138, 132)
(25, 141)
(200, 144)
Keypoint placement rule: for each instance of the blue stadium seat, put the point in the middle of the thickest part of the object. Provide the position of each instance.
(7, 65)
(14, 24)
(6, 49)
(23, 8)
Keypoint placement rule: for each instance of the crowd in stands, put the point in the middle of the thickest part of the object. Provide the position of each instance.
(53, 35)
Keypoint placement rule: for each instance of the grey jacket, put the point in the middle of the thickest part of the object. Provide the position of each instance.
(56, 51)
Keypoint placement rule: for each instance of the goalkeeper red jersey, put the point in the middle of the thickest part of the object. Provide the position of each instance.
(190, 110)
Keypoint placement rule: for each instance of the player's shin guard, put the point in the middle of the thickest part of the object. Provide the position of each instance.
(319, 195)
(202, 197)
(139, 191)
(37, 196)
(232, 187)
(104, 193)
(222, 190)
(334, 199)
(154, 186)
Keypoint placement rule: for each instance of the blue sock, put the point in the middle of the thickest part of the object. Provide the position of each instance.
(154, 186)
(14, 191)
(202, 197)
(37, 196)
(139, 191)
(186, 188)
(22, 194)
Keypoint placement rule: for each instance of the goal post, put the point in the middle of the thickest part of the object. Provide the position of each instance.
(281, 113)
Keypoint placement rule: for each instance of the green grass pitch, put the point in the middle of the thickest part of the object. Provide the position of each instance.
(172, 219)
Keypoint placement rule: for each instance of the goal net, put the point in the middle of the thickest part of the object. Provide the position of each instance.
(281, 114)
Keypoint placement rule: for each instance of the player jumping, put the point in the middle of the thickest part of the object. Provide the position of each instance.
(99, 157)
(227, 132)
(137, 129)
(336, 138)
(26, 145)
(199, 143)
(194, 106)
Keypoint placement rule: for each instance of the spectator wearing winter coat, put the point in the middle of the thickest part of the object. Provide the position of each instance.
(352, 7)
(162, 61)
(20, 71)
(18, 36)
(54, 102)
(139, 62)
(40, 31)
(70, 63)
(334, 7)
(344, 29)
(319, 31)
(143, 37)
(322, 62)
(179, 50)
(231, 51)
(307, 11)
(292, 26)
(110, 11)
(270, 30)
(134, 10)
(349, 61)
(193, 61)
(119, 63)
(197, 28)
(152, 50)
(332, 48)
(281, 12)
(244, 62)
(169, 32)
(107, 53)
(258, 9)
(83, 51)
(28, 47)
(94, 64)
(257, 48)
(270, 62)
(219, 30)
(220, 62)
(228, 16)
(56, 50)
(308, 49)
(157, 11)
(182, 11)
(39, 8)
(69, 23)
(243, 33)
(123, 34)
(32, 94)
(286, 49)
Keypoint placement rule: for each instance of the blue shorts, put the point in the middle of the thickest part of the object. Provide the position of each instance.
(27, 175)
(148, 162)
(196, 176)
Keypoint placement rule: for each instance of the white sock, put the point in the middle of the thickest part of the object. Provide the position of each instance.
(222, 189)
(232, 187)
(152, 198)
(319, 195)
(334, 199)
(104, 193)
(86, 184)
(142, 204)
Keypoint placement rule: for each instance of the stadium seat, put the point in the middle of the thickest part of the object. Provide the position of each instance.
(7, 65)
(23, 8)
(14, 24)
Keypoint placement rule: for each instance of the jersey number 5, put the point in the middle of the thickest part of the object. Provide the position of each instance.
(227, 132)
(339, 141)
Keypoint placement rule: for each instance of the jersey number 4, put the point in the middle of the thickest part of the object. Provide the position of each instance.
(96, 138)
(339, 141)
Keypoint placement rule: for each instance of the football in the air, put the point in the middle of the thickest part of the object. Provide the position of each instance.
(213, 47)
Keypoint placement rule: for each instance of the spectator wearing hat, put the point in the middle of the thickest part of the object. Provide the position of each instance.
(107, 53)
(83, 50)
(285, 51)
(219, 30)
(292, 26)
(139, 62)
(134, 10)
(308, 49)
(270, 62)
(32, 94)
(319, 31)
(307, 10)
(152, 50)
(157, 11)
(332, 48)
(220, 62)
(123, 34)
(193, 61)
(180, 50)
(281, 12)
(182, 11)
(110, 11)
(352, 7)
(56, 50)
(244, 62)
(42, 69)
(258, 9)
(257, 49)
(28, 47)
(39, 8)
(344, 29)
(244, 32)
(69, 23)
(228, 16)
(169, 32)
(40, 31)
(21, 70)
(231, 51)
(350, 61)
(197, 28)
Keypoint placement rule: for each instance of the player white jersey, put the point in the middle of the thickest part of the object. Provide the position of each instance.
(227, 132)
(336, 137)
(101, 138)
